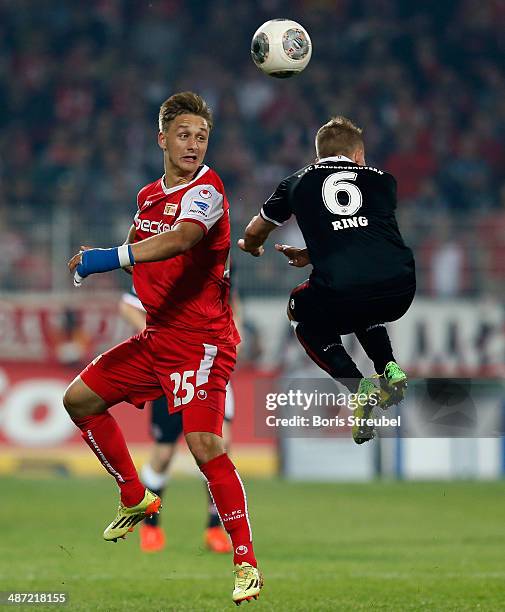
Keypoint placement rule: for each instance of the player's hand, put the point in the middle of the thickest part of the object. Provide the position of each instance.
(76, 259)
(298, 258)
(257, 252)
(74, 262)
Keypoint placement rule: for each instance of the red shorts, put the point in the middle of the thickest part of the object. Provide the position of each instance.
(193, 377)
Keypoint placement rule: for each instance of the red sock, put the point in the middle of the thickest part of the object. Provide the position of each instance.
(228, 493)
(102, 434)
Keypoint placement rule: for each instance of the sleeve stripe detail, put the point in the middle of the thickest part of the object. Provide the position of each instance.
(189, 220)
(262, 214)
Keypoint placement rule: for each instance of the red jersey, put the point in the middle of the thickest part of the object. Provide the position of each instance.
(188, 293)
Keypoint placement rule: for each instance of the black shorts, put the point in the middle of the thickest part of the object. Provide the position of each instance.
(307, 304)
(166, 428)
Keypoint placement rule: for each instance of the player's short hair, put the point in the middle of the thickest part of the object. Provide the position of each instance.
(339, 136)
(183, 103)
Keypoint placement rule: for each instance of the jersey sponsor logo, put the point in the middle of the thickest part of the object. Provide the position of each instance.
(201, 205)
(170, 209)
(199, 208)
(349, 223)
(196, 211)
(151, 227)
(205, 193)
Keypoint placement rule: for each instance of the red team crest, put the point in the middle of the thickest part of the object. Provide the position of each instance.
(170, 209)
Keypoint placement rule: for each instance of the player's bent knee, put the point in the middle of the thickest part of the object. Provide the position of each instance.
(69, 399)
(80, 401)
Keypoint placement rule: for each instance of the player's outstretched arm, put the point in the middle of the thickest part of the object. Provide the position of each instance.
(156, 248)
(299, 258)
(169, 244)
(255, 236)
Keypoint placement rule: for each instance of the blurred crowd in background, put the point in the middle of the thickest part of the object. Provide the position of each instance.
(81, 84)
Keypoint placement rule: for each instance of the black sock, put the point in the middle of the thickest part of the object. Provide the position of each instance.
(213, 519)
(375, 341)
(155, 518)
(328, 353)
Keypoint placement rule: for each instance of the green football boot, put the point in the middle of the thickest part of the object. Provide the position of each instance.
(393, 383)
(361, 432)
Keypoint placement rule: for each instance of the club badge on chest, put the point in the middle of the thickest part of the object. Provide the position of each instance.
(170, 209)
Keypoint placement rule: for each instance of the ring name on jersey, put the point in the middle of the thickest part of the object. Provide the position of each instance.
(349, 223)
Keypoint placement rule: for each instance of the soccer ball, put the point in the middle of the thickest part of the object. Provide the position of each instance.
(281, 48)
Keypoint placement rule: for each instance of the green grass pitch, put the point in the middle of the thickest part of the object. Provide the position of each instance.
(379, 546)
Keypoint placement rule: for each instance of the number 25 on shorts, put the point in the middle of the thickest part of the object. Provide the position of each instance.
(183, 385)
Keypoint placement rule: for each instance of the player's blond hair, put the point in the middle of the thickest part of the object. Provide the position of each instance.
(339, 136)
(183, 103)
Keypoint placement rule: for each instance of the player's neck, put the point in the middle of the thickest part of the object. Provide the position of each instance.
(175, 176)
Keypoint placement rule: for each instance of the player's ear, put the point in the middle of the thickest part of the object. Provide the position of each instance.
(359, 157)
(162, 141)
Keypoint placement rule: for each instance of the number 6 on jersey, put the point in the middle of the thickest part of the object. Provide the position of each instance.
(336, 183)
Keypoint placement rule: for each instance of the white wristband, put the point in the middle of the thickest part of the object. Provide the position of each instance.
(124, 256)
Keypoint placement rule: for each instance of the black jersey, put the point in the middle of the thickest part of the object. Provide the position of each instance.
(346, 214)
